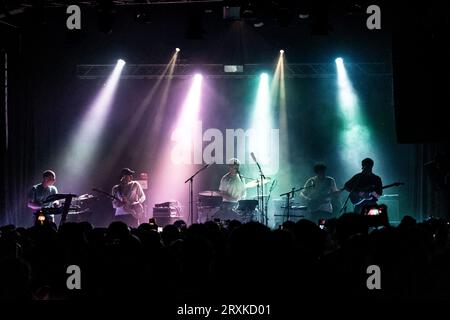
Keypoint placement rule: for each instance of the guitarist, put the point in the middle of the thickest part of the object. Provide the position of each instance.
(319, 191)
(365, 185)
(131, 196)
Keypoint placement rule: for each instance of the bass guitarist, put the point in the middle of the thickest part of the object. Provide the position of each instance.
(365, 187)
(129, 197)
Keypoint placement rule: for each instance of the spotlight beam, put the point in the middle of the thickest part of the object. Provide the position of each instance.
(84, 144)
(355, 136)
(174, 162)
(124, 137)
(284, 128)
(260, 141)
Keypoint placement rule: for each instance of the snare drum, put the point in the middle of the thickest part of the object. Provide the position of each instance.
(227, 212)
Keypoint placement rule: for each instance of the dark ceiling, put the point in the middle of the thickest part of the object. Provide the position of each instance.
(148, 33)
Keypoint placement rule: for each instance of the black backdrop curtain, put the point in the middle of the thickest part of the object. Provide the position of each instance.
(429, 190)
(18, 137)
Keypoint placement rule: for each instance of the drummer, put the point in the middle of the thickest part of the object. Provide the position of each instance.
(232, 189)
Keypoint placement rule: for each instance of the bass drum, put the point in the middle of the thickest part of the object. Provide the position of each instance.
(206, 214)
(227, 212)
(247, 211)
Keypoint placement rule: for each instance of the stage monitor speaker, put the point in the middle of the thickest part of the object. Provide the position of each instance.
(164, 221)
(165, 216)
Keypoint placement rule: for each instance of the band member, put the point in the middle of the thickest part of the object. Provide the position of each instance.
(41, 191)
(232, 188)
(130, 197)
(319, 191)
(366, 186)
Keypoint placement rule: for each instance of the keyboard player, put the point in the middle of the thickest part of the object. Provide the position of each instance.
(39, 192)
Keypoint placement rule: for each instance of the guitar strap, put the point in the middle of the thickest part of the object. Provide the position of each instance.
(348, 197)
(121, 192)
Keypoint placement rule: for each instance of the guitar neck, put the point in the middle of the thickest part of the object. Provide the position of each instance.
(106, 194)
(396, 184)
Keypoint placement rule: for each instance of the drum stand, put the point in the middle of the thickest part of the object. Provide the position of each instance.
(290, 195)
(66, 208)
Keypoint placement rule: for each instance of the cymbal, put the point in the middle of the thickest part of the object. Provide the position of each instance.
(256, 197)
(210, 193)
(257, 182)
(296, 207)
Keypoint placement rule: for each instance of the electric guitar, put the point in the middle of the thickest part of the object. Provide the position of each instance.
(358, 197)
(316, 201)
(136, 210)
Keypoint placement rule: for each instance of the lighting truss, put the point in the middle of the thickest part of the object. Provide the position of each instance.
(295, 70)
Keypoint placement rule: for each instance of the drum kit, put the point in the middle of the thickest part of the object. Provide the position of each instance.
(211, 205)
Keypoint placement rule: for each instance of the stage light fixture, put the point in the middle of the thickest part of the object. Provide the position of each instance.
(233, 68)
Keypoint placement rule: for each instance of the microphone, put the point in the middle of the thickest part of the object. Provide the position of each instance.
(259, 167)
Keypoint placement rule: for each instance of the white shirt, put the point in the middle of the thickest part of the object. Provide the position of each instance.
(234, 186)
(318, 193)
(131, 192)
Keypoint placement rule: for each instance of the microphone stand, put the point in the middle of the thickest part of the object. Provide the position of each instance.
(259, 199)
(262, 177)
(191, 191)
(268, 197)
